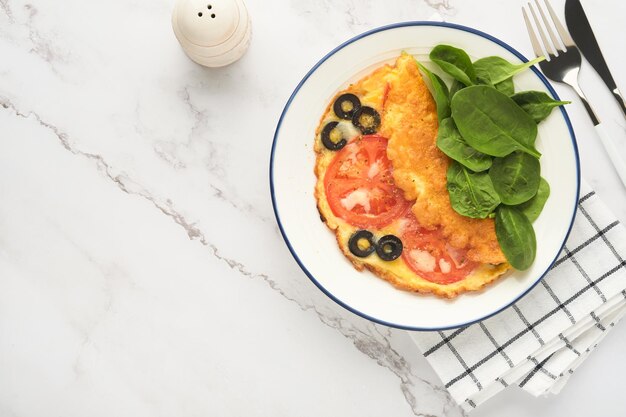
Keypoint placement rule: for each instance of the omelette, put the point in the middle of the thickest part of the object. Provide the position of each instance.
(381, 188)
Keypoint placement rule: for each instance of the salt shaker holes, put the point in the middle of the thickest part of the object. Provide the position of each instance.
(209, 6)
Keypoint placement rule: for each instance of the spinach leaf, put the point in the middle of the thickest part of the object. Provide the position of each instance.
(450, 142)
(471, 194)
(506, 87)
(537, 104)
(492, 123)
(532, 208)
(515, 177)
(456, 86)
(500, 72)
(454, 61)
(483, 79)
(516, 237)
(498, 69)
(440, 92)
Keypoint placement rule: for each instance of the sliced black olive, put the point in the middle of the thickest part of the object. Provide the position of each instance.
(367, 120)
(389, 247)
(361, 243)
(332, 137)
(346, 105)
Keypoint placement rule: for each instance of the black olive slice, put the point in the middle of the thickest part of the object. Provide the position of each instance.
(389, 247)
(332, 137)
(367, 120)
(346, 105)
(355, 244)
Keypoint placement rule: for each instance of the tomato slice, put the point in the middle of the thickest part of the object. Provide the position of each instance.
(429, 256)
(359, 185)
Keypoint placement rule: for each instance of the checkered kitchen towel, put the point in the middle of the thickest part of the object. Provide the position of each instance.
(538, 342)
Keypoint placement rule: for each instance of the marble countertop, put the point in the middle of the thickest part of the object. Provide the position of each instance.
(142, 272)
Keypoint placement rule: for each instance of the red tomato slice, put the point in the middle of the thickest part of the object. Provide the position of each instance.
(359, 185)
(429, 256)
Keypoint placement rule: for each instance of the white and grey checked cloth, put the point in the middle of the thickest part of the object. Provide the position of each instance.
(538, 342)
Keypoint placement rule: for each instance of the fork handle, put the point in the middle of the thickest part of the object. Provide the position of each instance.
(572, 80)
(614, 152)
(592, 114)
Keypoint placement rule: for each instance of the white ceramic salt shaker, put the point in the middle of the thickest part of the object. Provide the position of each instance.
(213, 33)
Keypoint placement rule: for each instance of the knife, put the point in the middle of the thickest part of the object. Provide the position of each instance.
(581, 32)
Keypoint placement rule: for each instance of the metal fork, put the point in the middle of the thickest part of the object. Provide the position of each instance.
(563, 65)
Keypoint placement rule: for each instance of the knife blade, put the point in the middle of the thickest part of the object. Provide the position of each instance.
(581, 32)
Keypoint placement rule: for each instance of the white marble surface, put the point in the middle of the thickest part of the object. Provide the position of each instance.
(141, 269)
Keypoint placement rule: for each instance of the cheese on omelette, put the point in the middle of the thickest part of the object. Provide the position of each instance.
(409, 122)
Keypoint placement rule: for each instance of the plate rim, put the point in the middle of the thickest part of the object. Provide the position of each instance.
(454, 26)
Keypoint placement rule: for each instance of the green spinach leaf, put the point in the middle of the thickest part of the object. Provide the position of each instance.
(516, 237)
(506, 87)
(471, 194)
(440, 92)
(492, 123)
(454, 87)
(498, 69)
(483, 79)
(533, 207)
(537, 104)
(450, 142)
(454, 61)
(515, 177)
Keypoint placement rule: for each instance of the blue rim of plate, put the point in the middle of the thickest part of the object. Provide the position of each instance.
(381, 29)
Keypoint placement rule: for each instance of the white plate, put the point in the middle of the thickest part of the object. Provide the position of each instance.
(313, 245)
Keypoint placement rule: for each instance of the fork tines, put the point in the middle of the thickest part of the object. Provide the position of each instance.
(551, 48)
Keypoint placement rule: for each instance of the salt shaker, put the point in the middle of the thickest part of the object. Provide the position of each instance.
(213, 33)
